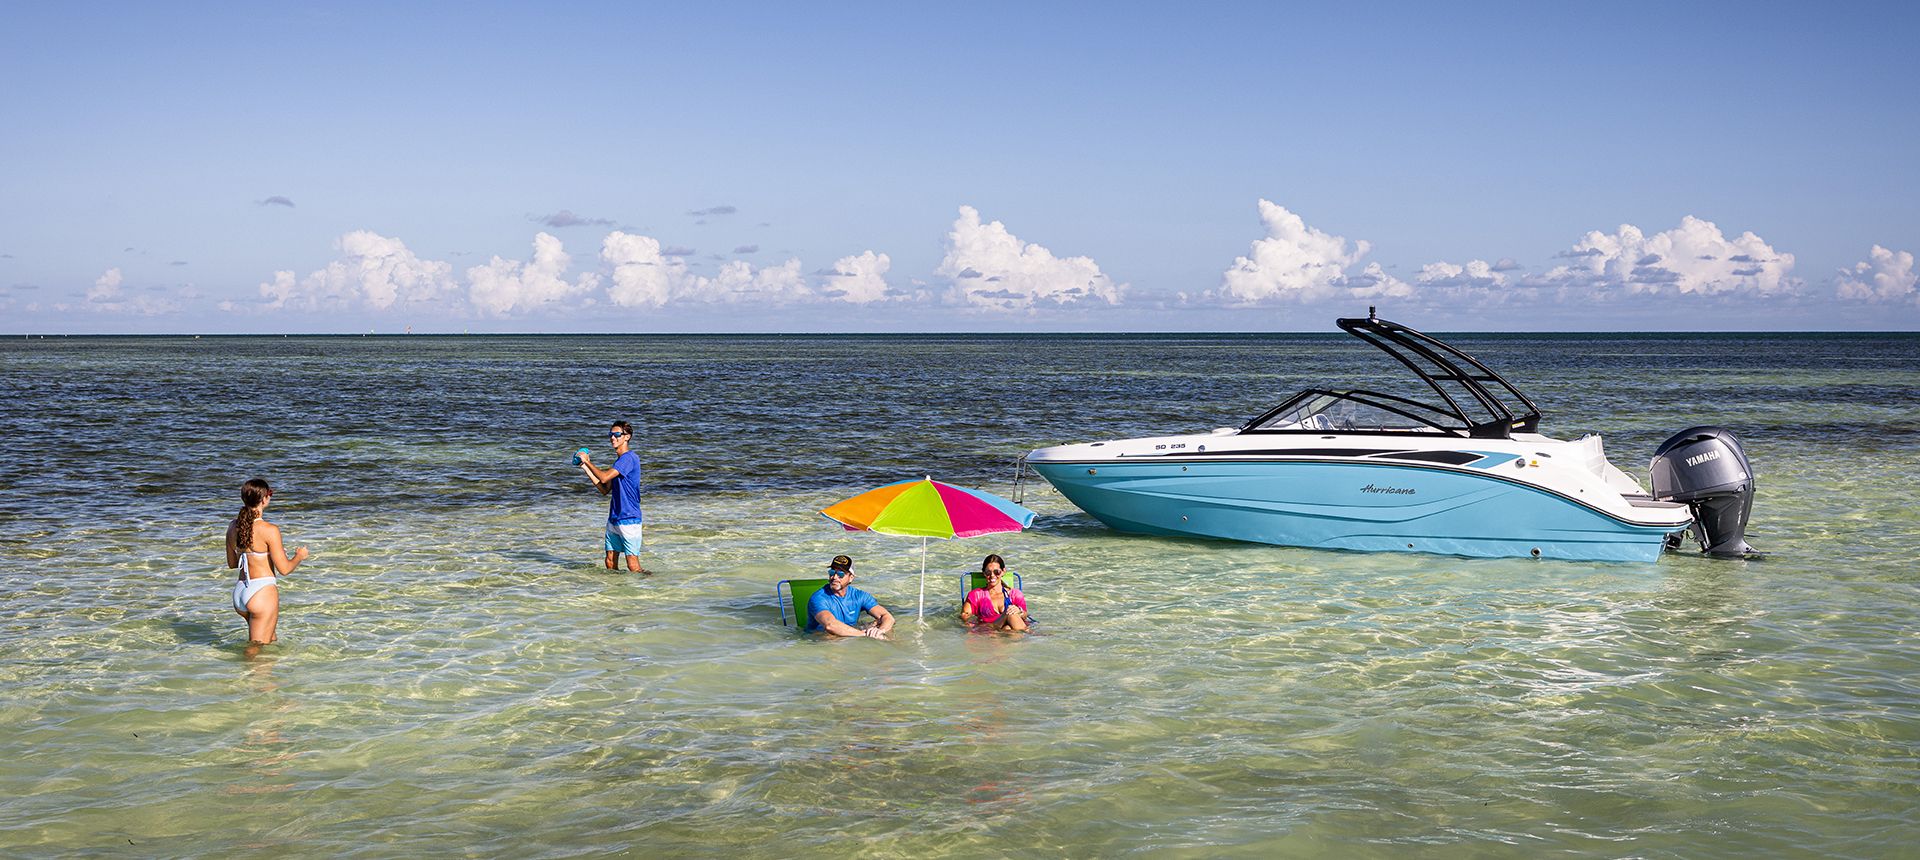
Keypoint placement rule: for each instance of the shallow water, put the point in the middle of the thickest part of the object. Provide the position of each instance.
(456, 674)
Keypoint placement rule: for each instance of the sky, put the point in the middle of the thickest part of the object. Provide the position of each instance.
(717, 167)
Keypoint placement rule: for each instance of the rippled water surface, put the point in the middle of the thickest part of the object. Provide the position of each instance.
(457, 675)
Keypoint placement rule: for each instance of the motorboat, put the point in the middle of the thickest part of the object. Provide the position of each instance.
(1464, 471)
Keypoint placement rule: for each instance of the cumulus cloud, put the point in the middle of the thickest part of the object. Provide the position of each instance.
(106, 288)
(859, 279)
(1476, 274)
(739, 282)
(992, 268)
(503, 287)
(566, 218)
(1694, 258)
(712, 210)
(108, 295)
(379, 273)
(1886, 276)
(1298, 262)
(374, 271)
(643, 274)
(275, 200)
(1373, 282)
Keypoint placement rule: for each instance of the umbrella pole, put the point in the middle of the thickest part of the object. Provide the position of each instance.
(923, 579)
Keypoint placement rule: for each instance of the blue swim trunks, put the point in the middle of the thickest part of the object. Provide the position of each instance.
(624, 537)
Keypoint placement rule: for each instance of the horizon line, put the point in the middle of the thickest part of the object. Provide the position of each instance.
(928, 332)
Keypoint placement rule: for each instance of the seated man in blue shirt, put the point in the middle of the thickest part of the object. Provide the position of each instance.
(837, 607)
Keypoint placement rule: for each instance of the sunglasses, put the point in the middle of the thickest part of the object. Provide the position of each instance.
(615, 435)
(837, 572)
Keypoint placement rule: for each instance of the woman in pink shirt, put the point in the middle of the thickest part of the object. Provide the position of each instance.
(999, 605)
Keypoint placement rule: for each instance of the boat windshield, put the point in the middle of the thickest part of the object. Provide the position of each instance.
(1319, 410)
(1473, 400)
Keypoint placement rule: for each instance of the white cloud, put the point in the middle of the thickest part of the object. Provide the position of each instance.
(107, 296)
(859, 279)
(106, 288)
(502, 287)
(1693, 258)
(1475, 275)
(374, 271)
(738, 282)
(379, 273)
(643, 275)
(1887, 276)
(1373, 282)
(1296, 261)
(991, 268)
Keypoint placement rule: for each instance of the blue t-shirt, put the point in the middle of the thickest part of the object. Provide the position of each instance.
(624, 502)
(846, 607)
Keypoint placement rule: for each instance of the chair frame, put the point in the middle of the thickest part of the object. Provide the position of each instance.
(975, 579)
(783, 596)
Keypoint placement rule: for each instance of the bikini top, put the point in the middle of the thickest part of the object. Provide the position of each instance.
(245, 573)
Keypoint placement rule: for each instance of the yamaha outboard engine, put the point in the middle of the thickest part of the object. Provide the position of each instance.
(1705, 468)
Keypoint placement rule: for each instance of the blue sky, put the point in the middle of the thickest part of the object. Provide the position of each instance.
(498, 167)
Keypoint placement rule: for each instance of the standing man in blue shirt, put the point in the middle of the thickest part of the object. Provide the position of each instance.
(622, 484)
(836, 608)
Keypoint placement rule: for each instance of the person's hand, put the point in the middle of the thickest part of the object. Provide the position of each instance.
(300, 554)
(874, 633)
(585, 458)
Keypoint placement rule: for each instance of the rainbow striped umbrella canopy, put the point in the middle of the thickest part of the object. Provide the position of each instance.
(928, 509)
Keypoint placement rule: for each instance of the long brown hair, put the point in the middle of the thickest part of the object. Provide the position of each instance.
(253, 494)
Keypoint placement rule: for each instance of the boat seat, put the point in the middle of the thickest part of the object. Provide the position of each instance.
(792, 596)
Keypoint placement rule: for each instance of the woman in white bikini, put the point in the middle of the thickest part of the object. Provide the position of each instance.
(253, 546)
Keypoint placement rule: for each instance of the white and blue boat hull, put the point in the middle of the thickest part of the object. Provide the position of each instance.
(1366, 506)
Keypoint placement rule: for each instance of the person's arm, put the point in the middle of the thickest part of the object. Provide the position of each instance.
(885, 618)
(233, 558)
(966, 609)
(277, 554)
(605, 486)
(602, 478)
(834, 625)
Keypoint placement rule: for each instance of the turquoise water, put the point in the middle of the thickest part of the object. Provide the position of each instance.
(456, 674)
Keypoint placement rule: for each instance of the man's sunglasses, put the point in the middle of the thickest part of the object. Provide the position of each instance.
(615, 435)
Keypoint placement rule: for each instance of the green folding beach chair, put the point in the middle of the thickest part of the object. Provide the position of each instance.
(792, 595)
(976, 579)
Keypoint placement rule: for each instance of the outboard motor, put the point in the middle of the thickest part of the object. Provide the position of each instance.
(1705, 468)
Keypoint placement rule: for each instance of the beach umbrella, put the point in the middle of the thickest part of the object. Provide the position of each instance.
(928, 509)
